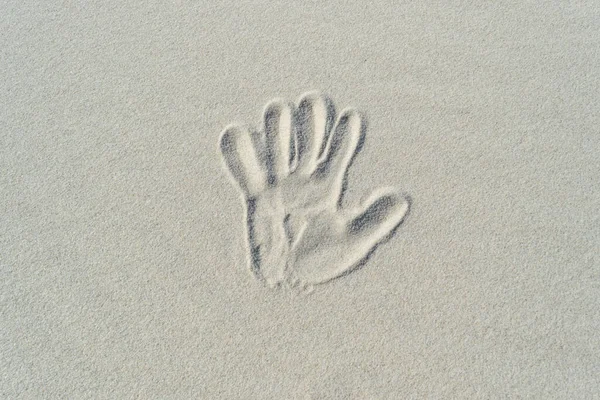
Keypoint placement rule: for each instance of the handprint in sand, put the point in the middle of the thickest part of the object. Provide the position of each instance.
(292, 174)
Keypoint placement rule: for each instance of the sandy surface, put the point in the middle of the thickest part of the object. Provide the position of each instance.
(123, 258)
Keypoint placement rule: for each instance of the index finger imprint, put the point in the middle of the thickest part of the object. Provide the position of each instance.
(344, 144)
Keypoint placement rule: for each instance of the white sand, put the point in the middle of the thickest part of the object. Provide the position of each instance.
(123, 259)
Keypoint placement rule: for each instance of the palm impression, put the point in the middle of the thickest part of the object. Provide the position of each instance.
(292, 174)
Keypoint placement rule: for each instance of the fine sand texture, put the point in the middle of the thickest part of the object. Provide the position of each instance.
(299, 200)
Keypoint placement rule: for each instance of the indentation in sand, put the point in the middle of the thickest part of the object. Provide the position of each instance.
(293, 174)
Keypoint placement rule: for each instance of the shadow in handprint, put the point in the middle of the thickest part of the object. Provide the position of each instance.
(293, 175)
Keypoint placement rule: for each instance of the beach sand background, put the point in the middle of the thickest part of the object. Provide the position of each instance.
(123, 266)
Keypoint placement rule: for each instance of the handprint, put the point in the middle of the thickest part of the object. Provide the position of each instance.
(292, 174)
